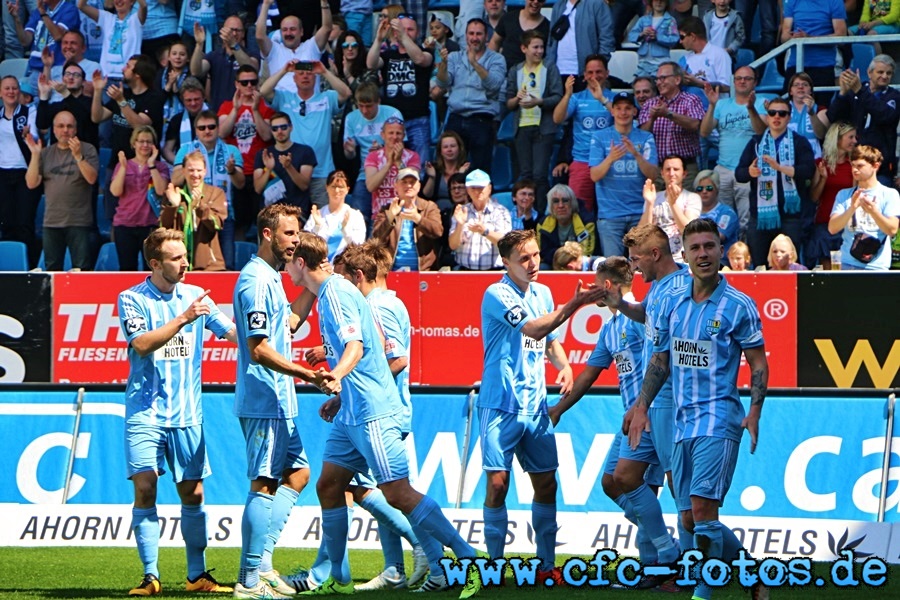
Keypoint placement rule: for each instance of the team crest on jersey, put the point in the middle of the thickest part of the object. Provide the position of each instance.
(712, 326)
(257, 320)
(514, 315)
(135, 324)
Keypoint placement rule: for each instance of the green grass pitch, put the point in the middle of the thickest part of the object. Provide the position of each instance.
(108, 573)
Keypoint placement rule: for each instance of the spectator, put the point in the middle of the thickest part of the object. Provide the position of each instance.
(568, 257)
(311, 114)
(724, 27)
(131, 181)
(655, 34)
(362, 133)
(450, 160)
(160, 27)
(622, 13)
(409, 226)
(181, 126)
(244, 122)
(507, 38)
(283, 172)
(589, 113)
(476, 80)
(739, 258)
(72, 99)
(198, 209)
(778, 164)
(573, 39)
(564, 224)
(73, 48)
(93, 35)
(622, 156)
(406, 76)
(122, 34)
(43, 32)
(523, 196)
(198, 13)
(674, 118)
(384, 164)
(878, 18)
(814, 18)
(769, 19)
(336, 222)
(171, 79)
(478, 226)
(223, 168)
(706, 185)
(489, 11)
(18, 203)
(458, 196)
(874, 109)
(68, 172)
(735, 120)
(705, 62)
(349, 62)
(867, 216)
(533, 89)
(221, 65)
(833, 174)
(673, 208)
(783, 255)
(805, 114)
(358, 16)
(290, 49)
(643, 89)
(440, 30)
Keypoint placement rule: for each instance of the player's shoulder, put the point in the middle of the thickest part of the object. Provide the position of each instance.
(739, 300)
(138, 292)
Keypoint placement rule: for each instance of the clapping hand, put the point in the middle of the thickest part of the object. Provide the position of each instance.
(754, 169)
(649, 192)
(268, 159)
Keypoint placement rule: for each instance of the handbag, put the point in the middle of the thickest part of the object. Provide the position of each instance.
(864, 247)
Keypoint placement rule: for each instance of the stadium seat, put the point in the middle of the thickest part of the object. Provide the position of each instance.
(67, 262)
(13, 256)
(39, 217)
(623, 64)
(862, 56)
(434, 121)
(676, 54)
(104, 223)
(505, 199)
(744, 57)
(108, 259)
(501, 169)
(505, 133)
(772, 80)
(243, 252)
(14, 66)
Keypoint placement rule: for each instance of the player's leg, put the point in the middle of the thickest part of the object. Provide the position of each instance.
(662, 434)
(537, 455)
(646, 549)
(393, 526)
(145, 456)
(500, 434)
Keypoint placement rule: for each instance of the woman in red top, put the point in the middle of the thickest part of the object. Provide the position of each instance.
(832, 175)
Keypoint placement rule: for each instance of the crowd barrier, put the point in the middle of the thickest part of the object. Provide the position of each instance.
(824, 477)
(822, 329)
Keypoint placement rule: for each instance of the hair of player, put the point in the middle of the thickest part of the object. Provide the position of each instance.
(616, 269)
(648, 236)
(870, 154)
(357, 258)
(153, 243)
(701, 225)
(565, 254)
(312, 249)
(383, 256)
(513, 240)
(270, 216)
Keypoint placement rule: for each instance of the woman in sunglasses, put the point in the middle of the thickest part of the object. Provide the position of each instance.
(350, 63)
(706, 185)
(779, 164)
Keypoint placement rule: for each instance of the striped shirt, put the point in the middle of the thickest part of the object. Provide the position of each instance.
(368, 392)
(261, 309)
(475, 251)
(393, 319)
(704, 341)
(164, 387)
(621, 340)
(672, 139)
(514, 380)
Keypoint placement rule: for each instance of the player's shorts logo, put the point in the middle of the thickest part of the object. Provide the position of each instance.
(135, 324)
(256, 320)
(514, 315)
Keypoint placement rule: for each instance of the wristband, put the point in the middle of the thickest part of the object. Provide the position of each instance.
(122, 103)
(236, 48)
(152, 167)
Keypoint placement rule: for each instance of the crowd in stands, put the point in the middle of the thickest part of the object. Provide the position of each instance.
(400, 124)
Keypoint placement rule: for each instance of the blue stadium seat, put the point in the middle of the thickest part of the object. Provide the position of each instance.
(772, 80)
(243, 252)
(104, 223)
(744, 57)
(434, 121)
(67, 262)
(39, 218)
(862, 56)
(505, 132)
(505, 199)
(14, 66)
(108, 259)
(13, 256)
(501, 169)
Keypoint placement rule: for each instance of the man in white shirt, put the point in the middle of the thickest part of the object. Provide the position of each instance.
(705, 63)
(277, 54)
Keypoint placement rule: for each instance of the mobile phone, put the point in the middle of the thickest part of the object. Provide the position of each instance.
(303, 66)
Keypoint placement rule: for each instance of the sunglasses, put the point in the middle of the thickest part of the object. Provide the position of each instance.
(779, 113)
(284, 127)
(533, 80)
(303, 108)
(405, 16)
(559, 201)
(210, 127)
(246, 82)
(74, 74)
(681, 36)
(708, 188)
(346, 45)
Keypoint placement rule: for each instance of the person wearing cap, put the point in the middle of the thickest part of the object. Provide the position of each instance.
(533, 89)
(410, 226)
(477, 226)
(441, 32)
(26, 92)
(383, 165)
(622, 158)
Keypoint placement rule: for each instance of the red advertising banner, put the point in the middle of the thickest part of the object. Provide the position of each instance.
(444, 308)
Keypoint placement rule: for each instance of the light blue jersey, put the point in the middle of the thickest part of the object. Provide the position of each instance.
(393, 319)
(888, 202)
(368, 392)
(705, 342)
(164, 387)
(652, 309)
(589, 116)
(728, 223)
(261, 309)
(514, 380)
(619, 193)
(734, 129)
(311, 120)
(621, 341)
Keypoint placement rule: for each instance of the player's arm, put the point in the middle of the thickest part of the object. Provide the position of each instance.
(397, 364)
(759, 385)
(633, 310)
(353, 353)
(542, 326)
(155, 339)
(300, 309)
(636, 419)
(582, 384)
(231, 336)
(264, 354)
(557, 356)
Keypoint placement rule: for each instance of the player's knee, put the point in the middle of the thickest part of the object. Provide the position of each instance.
(627, 481)
(328, 490)
(687, 521)
(144, 493)
(496, 491)
(609, 486)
